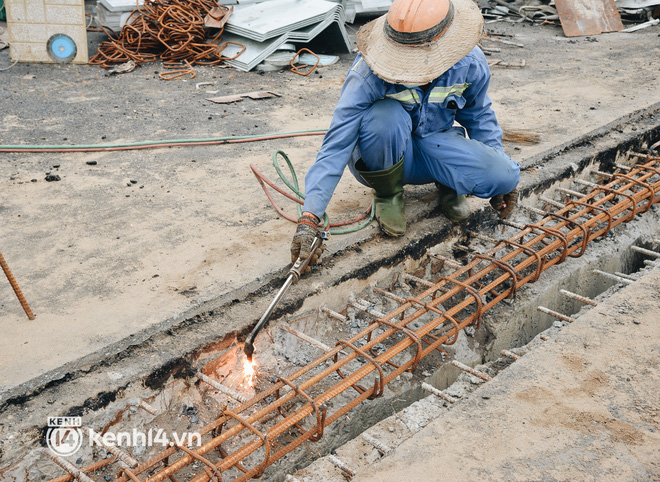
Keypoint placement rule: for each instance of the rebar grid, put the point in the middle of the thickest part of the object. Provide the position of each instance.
(464, 294)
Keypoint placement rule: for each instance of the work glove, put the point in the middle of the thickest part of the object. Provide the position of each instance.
(308, 229)
(504, 203)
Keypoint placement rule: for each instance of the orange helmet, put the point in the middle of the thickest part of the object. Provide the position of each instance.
(418, 21)
(419, 40)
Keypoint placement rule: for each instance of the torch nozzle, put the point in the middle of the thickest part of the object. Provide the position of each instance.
(248, 349)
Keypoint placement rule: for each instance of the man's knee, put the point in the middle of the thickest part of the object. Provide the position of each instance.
(386, 118)
(385, 121)
(502, 175)
(384, 134)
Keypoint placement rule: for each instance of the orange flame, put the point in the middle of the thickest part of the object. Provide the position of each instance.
(248, 370)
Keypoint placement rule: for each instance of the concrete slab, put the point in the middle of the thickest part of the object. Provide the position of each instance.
(103, 260)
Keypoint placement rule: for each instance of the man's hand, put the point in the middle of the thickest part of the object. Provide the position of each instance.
(308, 229)
(505, 203)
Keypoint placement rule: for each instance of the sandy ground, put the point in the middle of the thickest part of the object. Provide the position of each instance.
(100, 257)
(583, 405)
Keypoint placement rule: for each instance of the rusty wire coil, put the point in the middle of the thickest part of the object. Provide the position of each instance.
(175, 31)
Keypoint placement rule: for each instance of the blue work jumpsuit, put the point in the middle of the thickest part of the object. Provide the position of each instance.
(382, 122)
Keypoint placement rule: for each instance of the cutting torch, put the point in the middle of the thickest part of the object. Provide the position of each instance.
(293, 277)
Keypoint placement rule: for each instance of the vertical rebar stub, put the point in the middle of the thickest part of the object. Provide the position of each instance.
(350, 473)
(17, 290)
(510, 354)
(383, 448)
(581, 298)
(227, 391)
(555, 314)
(613, 277)
(438, 393)
(484, 376)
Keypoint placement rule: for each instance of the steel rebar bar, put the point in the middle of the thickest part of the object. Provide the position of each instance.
(613, 277)
(14, 286)
(555, 314)
(438, 393)
(581, 298)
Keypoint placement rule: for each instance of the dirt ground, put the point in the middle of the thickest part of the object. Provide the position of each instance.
(141, 237)
(583, 406)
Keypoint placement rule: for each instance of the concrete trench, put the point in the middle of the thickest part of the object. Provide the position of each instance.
(182, 403)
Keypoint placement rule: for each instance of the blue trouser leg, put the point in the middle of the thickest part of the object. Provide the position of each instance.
(448, 157)
(385, 136)
(466, 165)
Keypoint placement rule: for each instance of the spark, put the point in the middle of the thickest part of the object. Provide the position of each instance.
(248, 370)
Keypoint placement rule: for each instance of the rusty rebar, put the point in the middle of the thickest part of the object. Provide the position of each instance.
(510, 354)
(438, 393)
(552, 202)
(555, 314)
(570, 192)
(583, 182)
(614, 277)
(332, 313)
(484, 376)
(647, 252)
(308, 339)
(341, 465)
(603, 210)
(581, 298)
(146, 407)
(383, 448)
(449, 261)
(176, 31)
(17, 290)
(66, 465)
(455, 302)
(390, 295)
(220, 387)
(114, 450)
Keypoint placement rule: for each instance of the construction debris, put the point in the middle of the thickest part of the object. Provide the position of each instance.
(588, 17)
(113, 14)
(175, 33)
(263, 28)
(256, 95)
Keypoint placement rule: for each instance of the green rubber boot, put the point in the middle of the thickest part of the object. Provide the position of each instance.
(453, 206)
(387, 187)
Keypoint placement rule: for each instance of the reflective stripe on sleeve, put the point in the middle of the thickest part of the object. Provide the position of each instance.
(407, 96)
(439, 94)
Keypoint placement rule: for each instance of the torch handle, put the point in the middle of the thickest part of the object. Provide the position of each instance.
(294, 275)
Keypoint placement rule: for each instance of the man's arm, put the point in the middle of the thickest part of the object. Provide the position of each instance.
(357, 94)
(477, 115)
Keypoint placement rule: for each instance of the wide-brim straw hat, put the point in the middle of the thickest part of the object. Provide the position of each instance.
(400, 63)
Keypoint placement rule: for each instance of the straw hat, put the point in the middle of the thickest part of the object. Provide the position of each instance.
(419, 40)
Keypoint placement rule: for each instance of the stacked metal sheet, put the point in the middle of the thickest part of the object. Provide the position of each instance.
(114, 13)
(264, 27)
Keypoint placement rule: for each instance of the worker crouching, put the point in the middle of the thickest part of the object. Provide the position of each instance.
(418, 72)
